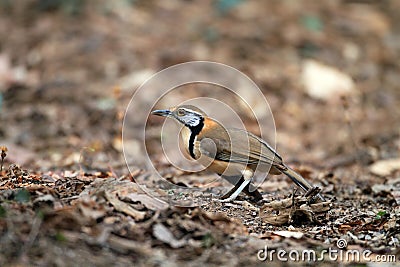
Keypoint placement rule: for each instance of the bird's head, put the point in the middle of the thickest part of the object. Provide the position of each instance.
(188, 115)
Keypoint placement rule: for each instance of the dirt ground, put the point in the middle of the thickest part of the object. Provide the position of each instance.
(329, 70)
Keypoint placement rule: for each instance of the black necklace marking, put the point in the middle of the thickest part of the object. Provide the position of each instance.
(194, 131)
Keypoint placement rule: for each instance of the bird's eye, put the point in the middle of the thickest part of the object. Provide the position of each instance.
(181, 112)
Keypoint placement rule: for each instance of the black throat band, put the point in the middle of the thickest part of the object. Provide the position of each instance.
(194, 131)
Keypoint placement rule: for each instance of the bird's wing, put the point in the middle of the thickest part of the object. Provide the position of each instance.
(249, 150)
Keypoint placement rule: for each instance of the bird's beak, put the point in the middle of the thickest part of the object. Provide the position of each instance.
(162, 112)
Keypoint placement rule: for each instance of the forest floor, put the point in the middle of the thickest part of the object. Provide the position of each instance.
(68, 71)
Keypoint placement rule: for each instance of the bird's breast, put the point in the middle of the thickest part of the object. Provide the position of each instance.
(190, 142)
(185, 136)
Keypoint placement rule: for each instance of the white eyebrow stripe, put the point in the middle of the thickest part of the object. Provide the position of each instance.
(192, 111)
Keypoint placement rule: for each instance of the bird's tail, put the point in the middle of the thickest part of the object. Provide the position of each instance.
(299, 180)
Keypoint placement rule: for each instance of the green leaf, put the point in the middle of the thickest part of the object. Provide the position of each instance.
(224, 6)
(22, 196)
(380, 214)
(312, 23)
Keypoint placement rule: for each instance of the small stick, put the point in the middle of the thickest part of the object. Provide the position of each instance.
(3, 155)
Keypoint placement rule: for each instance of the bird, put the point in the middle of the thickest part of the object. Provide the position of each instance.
(234, 154)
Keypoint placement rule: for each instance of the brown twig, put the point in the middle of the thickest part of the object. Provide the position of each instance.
(3, 155)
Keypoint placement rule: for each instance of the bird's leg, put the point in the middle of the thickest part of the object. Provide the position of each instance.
(235, 191)
(254, 194)
(238, 188)
(230, 192)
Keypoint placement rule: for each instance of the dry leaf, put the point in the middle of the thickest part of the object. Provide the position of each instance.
(289, 210)
(215, 216)
(163, 234)
(148, 201)
(125, 245)
(124, 207)
(92, 210)
(44, 198)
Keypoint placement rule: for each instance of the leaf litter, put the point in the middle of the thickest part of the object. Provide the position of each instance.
(66, 198)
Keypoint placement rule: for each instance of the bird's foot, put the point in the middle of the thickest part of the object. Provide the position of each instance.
(314, 194)
(233, 193)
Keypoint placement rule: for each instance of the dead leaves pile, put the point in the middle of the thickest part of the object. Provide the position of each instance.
(99, 210)
(293, 210)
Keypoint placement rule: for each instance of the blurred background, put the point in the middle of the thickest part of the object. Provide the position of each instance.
(329, 69)
(68, 69)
